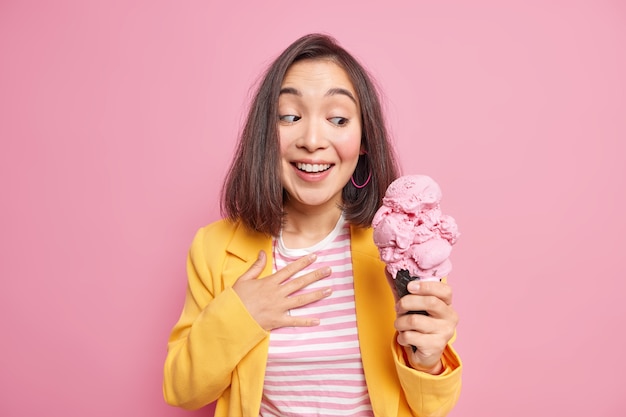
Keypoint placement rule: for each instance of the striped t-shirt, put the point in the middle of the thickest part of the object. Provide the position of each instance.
(317, 371)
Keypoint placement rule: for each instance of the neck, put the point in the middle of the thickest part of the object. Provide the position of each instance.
(304, 228)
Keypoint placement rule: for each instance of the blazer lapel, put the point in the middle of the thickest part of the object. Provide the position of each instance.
(375, 316)
(244, 248)
(243, 251)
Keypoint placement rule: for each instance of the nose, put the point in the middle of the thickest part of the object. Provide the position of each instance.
(313, 136)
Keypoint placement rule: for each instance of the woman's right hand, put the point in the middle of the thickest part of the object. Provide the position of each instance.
(269, 299)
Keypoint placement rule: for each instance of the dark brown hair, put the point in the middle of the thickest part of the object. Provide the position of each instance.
(252, 191)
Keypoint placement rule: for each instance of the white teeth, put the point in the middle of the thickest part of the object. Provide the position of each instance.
(312, 167)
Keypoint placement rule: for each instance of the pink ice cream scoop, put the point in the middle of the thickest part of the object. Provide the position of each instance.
(413, 237)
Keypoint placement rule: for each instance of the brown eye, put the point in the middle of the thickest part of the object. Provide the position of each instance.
(289, 118)
(339, 121)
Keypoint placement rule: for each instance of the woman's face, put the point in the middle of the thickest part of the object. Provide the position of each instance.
(320, 133)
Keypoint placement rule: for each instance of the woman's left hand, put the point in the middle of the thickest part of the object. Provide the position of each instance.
(428, 333)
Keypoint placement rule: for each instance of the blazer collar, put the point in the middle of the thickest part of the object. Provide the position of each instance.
(246, 244)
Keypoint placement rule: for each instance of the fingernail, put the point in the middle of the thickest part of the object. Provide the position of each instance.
(312, 257)
(327, 291)
(261, 255)
(413, 286)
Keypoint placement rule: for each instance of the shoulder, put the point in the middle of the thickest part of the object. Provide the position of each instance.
(228, 236)
(219, 229)
(215, 237)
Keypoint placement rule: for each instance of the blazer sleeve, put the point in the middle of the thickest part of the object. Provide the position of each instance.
(213, 333)
(429, 395)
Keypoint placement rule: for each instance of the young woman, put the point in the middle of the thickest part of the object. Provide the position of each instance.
(289, 311)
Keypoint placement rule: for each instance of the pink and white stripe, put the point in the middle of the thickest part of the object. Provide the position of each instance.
(317, 371)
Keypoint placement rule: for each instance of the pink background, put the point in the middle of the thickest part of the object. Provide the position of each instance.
(118, 118)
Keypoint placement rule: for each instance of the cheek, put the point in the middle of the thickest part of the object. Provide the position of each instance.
(350, 146)
(282, 144)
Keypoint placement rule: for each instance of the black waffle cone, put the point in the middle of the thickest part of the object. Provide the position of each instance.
(403, 277)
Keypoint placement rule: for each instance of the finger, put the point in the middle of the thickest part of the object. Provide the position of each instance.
(255, 269)
(438, 289)
(416, 322)
(430, 345)
(291, 321)
(428, 325)
(432, 305)
(296, 266)
(307, 279)
(303, 299)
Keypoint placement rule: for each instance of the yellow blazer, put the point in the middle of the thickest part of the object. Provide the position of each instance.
(217, 351)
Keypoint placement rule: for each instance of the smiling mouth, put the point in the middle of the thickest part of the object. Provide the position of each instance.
(312, 168)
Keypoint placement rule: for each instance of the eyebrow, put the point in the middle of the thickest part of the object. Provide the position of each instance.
(334, 91)
(331, 92)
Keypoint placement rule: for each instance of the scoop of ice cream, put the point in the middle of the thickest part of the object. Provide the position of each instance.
(393, 230)
(410, 230)
(431, 253)
(412, 194)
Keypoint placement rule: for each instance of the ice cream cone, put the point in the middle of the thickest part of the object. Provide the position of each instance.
(413, 236)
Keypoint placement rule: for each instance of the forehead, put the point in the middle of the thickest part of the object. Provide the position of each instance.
(321, 74)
